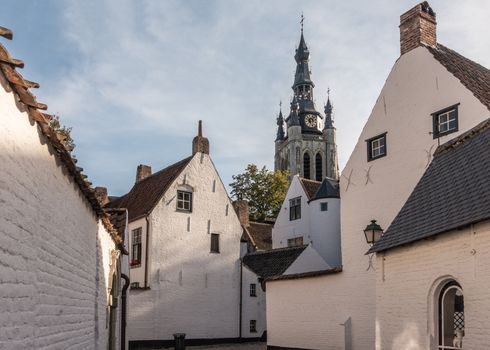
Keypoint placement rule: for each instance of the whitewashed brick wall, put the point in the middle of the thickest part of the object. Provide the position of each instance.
(49, 255)
(407, 289)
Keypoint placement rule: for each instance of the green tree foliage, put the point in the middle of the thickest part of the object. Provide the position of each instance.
(263, 189)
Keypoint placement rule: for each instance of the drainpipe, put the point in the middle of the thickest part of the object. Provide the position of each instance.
(123, 311)
(146, 250)
(241, 297)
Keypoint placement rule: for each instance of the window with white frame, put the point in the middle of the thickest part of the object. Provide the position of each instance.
(295, 242)
(376, 147)
(184, 200)
(253, 326)
(253, 290)
(135, 247)
(445, 121)
(451, 317)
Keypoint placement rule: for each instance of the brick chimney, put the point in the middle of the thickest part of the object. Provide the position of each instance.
(417, 27)
(242, 210)
(101, 195)
(142, 172)
(200, 143)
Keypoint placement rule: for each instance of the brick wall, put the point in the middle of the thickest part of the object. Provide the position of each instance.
(49, 250)
(408, 281)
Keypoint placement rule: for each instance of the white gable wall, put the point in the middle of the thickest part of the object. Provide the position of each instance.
(417, 86)
(191, 291)
(308, 261)
(52, 246)
(253, 308)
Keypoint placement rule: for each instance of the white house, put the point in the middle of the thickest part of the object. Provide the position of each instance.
(185, 253)
(433, 262)
(431, 95)
(60, 257)
(310, 215)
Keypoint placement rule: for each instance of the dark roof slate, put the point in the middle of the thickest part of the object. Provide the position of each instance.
(310, 186)
(261, 234)
(146, 193)
(472, 75)
(329, 188)
(453, 192)
(272, 262)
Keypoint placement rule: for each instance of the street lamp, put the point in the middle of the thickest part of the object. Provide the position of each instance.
(373, 232)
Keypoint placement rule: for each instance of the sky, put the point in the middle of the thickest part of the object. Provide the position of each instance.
(132, 78)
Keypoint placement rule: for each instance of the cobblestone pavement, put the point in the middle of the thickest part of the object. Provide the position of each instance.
(243, 346)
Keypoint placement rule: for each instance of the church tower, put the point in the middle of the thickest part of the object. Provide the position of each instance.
(308, 148)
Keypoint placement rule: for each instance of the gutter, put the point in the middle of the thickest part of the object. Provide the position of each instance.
(123, 311)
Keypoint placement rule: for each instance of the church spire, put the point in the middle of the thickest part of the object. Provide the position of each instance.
(280, 125)
(328, 112)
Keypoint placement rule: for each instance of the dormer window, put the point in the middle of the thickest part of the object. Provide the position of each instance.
(445, 121)
(376, 147)
(184, 201)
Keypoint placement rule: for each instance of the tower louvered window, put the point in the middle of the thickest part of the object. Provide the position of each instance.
(306, 166)
(318, 167)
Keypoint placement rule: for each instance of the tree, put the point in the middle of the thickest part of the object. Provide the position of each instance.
(263, 189)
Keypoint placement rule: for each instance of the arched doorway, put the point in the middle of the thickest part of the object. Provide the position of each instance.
(451, 316)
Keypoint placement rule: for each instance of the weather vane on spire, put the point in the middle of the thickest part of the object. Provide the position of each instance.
(328, 92)
(302, 21)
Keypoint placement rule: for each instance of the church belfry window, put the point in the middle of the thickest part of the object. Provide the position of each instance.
(318, 167)
(451, 317)
(306, 166)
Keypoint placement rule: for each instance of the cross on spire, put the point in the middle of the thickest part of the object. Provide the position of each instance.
(302, 21)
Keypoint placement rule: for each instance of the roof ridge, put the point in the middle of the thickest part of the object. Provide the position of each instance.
(277, 250)
(164, 169)
(457, 53)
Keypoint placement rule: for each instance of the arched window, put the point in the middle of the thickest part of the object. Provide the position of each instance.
(451, 317)
(318, 167)
(306, 166)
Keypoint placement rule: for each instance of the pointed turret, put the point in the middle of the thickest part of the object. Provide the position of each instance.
(280, 126)
(293, 119)
(200, 143)
(328, 113)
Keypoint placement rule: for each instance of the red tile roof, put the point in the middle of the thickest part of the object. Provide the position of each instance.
(20, 87)
(472, 75)
(310, 186)
(146, 193)
(260, 234)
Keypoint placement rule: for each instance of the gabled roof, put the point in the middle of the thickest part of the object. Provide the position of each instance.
(472, 75)
(329, 188)
(454, 191)
(272, 262)
(21, 88)
(146, 193)
(260, 233)
(310, 186)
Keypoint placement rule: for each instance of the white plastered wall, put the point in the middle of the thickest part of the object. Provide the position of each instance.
(253, 308)
(191, 291)
(409, 279)
(309, 260)
(417, 86)
(51, 246)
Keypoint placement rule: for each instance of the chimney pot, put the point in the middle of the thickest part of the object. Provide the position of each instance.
(200, 143)
(418, 27)
(142, 172)
(101, 195)
(242, 211)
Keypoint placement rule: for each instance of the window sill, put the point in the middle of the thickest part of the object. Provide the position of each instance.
(139, 288)
(445, 133)
(183, 211)
(214, 252)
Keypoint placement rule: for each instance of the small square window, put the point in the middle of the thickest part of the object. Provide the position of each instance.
(214, 243)
(295, 209)
(376, 147)
(253, 326)
(445, 121)
(184, 201)
(295, 242)
(253, 290)
(324, 206)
